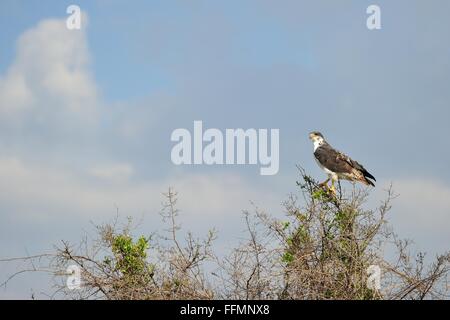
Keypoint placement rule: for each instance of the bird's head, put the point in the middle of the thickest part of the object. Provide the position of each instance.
(316, 137)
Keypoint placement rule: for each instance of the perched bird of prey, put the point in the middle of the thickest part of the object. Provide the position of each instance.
(336, 164)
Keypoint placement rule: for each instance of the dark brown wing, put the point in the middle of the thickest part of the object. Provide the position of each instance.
(338, 162)
(333, 160)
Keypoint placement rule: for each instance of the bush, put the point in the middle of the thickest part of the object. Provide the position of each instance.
(328, 247)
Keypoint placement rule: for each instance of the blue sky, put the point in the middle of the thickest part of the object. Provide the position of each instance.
(86, 116)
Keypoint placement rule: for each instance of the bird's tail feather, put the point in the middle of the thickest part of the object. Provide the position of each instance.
(368, 175)
(366, 181)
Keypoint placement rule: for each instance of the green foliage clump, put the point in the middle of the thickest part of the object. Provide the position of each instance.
(130, 256)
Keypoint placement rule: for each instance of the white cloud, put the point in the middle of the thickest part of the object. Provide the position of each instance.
(49, 80)
(421, 212)
(36, 191)
(424, 201)
(118, 172)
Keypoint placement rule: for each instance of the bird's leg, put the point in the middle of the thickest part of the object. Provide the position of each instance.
(333, 189)
(324, 184)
